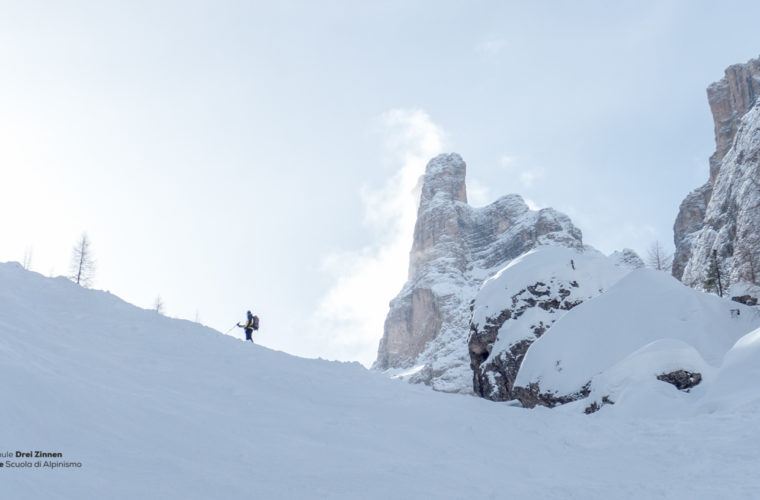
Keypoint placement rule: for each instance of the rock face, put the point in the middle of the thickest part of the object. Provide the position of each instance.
(730, 98)
(716, 206)
(455, 248)
(732, 218)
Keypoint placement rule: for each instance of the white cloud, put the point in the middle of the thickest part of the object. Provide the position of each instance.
(526, 176)
(354, 308)
(492, 48)
(529, 177)
(532, 204)
(478, 194)
(506, 161)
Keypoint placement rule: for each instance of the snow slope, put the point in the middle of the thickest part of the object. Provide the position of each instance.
(160, 408)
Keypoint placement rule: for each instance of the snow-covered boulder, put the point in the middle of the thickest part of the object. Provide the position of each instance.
(654, 379)
(522, 301)
(643, 307)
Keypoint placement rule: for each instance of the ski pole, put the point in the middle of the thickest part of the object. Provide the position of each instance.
(228, 331)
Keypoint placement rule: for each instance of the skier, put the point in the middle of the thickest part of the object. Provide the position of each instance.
(251, 324)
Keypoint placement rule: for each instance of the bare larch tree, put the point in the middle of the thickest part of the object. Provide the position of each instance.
(658, 258)
(158, 305)
(82, 263)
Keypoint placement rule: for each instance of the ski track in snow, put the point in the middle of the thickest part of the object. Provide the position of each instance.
(161, 408)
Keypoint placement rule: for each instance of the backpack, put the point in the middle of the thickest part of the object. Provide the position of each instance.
(255, 322)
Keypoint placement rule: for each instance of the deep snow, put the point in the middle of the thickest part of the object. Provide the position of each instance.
(161, 408)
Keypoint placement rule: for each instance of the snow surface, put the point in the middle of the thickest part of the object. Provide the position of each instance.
(161, 408)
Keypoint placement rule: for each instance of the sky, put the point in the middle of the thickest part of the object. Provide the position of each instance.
(228, 156)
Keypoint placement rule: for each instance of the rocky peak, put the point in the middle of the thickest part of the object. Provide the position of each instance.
(455, 248)
(444, 180)
(730, 98)
(443, 196)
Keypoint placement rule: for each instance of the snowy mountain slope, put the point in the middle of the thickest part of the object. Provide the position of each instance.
(160, 408)
(644, 307)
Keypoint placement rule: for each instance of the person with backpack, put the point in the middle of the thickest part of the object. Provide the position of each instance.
(251, 324)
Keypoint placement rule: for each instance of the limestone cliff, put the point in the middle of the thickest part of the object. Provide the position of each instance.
(455, 248)
(730, 100)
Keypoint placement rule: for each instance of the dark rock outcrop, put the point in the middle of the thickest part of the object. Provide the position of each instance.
(531, 396)
(495, 379)
(747, 300)
(683, 380)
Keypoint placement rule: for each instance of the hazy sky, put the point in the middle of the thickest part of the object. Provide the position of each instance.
(236, 155)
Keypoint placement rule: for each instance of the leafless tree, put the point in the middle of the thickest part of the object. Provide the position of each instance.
(27, 258)
(82, 263)
(158, 305)
(658, 258)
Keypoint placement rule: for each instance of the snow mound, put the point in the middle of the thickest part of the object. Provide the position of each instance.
(736, 385)
(642, 308)
(632, 384)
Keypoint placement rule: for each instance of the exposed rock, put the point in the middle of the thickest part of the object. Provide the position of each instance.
(495, 378)
(531, 396)
(747, 300)
(730, 98)
(716, 205)
(596, 406)
(690, 219)
(682, 379)
(455, 248)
